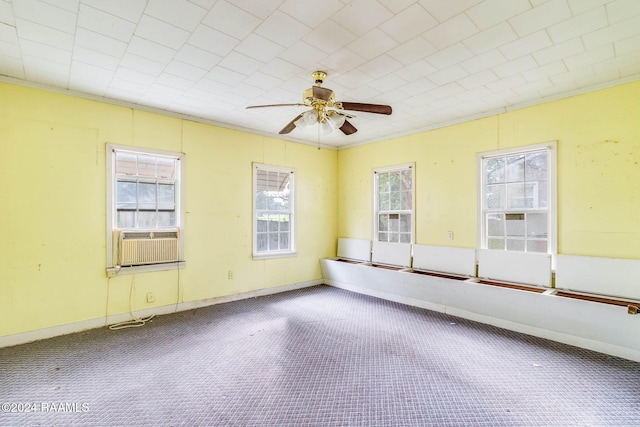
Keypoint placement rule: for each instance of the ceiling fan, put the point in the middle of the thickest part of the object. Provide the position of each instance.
(325, 110)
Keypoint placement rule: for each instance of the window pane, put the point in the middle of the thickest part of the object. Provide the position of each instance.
(284, 222)
(394, 237)
(146, 219)
(394, 222)
(166, 219)
(384, 203)
(537, 246)
(146, 195)
(125, 219)
(126, 163)
(406, 203)
(394, 181)
(146, 166)
(494, 170)
(125, 192)
(383, 237)
(396, 204)
(166, 168)
(515, 245)
(515, 168)
(495, 243)
(405, 238)
(406, 180)
(537, 225)
(515, 196)
(262, 245)
(274, 221)
(273, 242)
(383, 222)
(405, 223)
(166, 194)
(536, 166)
(495, 197)
(383, 183)
(284, 240)
(495, 224)
(515, 227)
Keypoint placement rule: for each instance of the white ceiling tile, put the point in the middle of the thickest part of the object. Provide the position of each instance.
(263, 81)
(504, 84)
(124, 92)
(212, 40)
(559, 51)
(412, 50)
(396, 6)
(443, 10)
(100, 43)
(416, 70)
(85, 83)
(68, 5)
(580, 6)
(329, 37)
(490, 38)
(45, 14)
(259, 48)
(95, 58)
(303, 54)
(9, 50)
(572, 75)
(452, 31)
(205, 4)
(450, 89)
(418, 86)
(311, 16)
(142, 65)
(474, 94)
(476, 80)
(281, 69)
(197, 57)
(46, 52)
(526, 45)
(519, 65)
(31, 31)
(105, 24)
(80, 71)
(361, 16)
(282, 29)
(612, 33)
(380, 66)
(387, 83)
(544, 71)
(627, 46)
(361, 94)
(600, 54)
(11, 66)
(179, 13)
(231, 20)
(620, 10)
(9, 34)
(262, 9)
(241, 63)
(344, 60)
(448, 75)
(409, 23)
(247, 91)
(373, 44)
(484, 61)
(6, 13)
(43, 71)
(225, 75)
(452, 55)
(540, 17)
(130, 10)
(352, 80)
(184, 70)
(492, 12)
(160, 32)
(578, 25)
(150, 50)
(213, 87)
(175, 82)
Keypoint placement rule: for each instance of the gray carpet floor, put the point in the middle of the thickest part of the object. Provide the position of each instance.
(314, 357)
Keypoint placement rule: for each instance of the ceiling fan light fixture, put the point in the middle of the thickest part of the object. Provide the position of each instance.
(335, 120)
(308, 118)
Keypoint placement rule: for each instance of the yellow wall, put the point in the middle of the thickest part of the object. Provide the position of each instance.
(53, 210)
(598, 138)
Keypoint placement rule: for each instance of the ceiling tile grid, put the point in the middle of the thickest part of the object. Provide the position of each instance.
(435, 62)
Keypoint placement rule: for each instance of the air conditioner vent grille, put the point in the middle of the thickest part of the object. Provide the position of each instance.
(146, 247)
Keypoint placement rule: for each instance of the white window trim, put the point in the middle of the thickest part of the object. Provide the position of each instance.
(374, 221)
(292, 224)
(112, 269)
(551, 148)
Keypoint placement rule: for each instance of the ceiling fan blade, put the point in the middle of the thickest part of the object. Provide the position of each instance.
(290, 126)
(322, 93)
(367, 108)
(347, 128)
(276, 105)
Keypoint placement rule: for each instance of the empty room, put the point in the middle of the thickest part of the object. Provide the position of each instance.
(337, 213)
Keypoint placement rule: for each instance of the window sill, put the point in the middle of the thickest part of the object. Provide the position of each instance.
(117, 270)
(270, 255)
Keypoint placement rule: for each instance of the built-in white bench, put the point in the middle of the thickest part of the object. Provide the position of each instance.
(510, 290)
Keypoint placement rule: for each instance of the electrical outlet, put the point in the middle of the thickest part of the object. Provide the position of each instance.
(230, 274)
(450, 235)
(151, 297)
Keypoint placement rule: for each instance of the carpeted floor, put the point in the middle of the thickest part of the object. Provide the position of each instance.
(314, 357)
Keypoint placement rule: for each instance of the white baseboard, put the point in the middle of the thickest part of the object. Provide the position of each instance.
(69, 328)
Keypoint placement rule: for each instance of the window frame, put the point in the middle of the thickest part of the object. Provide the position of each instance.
(292, 252)
(111, 213)
(395, 168)
(550, 148)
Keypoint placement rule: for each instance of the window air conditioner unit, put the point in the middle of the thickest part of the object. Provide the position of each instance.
(136, 247)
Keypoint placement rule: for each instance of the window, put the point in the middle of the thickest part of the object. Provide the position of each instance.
(393, 190)
(274, 208)
(517, 206)
(144, 196)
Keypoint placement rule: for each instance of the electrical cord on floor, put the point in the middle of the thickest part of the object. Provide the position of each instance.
(135, 323)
